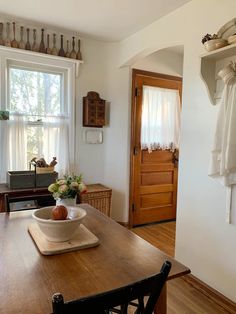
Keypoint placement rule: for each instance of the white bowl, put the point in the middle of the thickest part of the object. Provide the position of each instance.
(214, 44)
(232, 39)
(59, 230)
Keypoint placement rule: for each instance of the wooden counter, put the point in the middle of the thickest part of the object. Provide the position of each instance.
(98, 196)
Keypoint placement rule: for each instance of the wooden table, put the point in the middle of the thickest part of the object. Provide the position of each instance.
(28, 279)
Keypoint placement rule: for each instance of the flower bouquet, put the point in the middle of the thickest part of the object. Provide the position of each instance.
(68, 187)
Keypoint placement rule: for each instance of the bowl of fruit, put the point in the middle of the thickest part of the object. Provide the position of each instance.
(59, 223)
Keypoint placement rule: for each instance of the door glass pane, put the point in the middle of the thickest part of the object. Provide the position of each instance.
(160, 118)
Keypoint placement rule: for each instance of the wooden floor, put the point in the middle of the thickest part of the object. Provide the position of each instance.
(185, 295)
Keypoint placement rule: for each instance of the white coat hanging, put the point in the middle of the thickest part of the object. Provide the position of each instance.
(223, 155)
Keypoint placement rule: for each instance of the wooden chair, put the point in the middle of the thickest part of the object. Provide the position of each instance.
(108, 302)
(40, 200)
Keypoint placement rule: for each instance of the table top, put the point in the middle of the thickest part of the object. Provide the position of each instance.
(29, 279)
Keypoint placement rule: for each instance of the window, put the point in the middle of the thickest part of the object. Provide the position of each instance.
(40, 97)
(160, 124)
(37, 97)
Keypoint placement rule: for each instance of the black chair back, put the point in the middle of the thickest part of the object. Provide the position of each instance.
(106, 302)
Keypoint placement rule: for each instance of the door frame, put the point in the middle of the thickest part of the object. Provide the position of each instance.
(135, 74)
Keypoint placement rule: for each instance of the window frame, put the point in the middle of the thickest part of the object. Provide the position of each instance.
(69, 67)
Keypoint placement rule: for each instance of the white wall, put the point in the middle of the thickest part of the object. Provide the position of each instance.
(106, 163)
(204, 242)
(92, 77)
(164, 61)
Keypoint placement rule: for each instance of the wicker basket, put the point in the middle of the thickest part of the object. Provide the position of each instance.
(40, 170)
(98, 196)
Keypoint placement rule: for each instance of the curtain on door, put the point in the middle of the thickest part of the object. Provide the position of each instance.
(160, 125)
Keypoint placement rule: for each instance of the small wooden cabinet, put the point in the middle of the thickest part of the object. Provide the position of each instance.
(93, 110)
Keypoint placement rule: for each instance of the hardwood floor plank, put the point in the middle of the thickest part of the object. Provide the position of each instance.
(186, 295)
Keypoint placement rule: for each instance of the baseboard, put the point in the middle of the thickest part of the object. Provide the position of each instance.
(227, 305)
(124, 224)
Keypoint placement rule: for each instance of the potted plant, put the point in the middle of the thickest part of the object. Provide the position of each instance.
(66, 190)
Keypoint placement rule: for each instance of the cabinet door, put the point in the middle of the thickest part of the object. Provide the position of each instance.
(100, 113)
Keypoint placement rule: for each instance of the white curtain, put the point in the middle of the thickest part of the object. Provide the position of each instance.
(17, 145)
(56, 143)
(4, 153)
(160, 124)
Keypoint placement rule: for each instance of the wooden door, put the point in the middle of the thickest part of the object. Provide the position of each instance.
(153, 184)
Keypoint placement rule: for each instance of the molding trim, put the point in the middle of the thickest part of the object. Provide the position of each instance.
(157, 75)
(227, 305)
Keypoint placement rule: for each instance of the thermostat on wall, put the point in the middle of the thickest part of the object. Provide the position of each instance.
(93, 136)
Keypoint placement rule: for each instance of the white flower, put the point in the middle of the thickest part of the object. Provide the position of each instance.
(74, 185)
(61, 182)
(63, 188)
(52, 187)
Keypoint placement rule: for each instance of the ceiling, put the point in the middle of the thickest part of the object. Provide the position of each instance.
(108, 20)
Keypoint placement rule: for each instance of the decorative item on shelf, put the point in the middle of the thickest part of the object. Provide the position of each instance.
(1, 34)
(14, 43)
(54, 48)
(73, 52)
(27, 45)
(8, 39)
(66, 190)
(48, 49)
(21, 42)
(61, 52)
(42, 167)
(42, 45)
(209, 62)
(67, 55)
(213, 42)
(227, 30)
(79, 55)
(35, 46)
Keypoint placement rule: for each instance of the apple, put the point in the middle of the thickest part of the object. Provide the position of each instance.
(59, 212)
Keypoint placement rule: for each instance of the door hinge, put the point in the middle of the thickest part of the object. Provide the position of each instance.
(135, 150)
(137, 91)
(133, 207)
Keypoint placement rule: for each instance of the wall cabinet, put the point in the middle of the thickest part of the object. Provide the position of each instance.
(93, 110)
